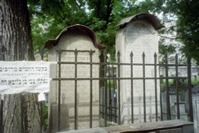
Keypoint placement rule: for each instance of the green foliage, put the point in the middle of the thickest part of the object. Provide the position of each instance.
(45, 116)
(163, 84)
(50, 17)
(165, 48)
(111, 84)
(185, 13)
(194, 82)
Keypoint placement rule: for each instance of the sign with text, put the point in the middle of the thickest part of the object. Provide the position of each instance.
(24, 76)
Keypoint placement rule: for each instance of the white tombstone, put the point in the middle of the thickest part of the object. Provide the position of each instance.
(195, 102)
(138, 34)
(82, 39)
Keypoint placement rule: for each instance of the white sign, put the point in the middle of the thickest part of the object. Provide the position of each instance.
(24, 76)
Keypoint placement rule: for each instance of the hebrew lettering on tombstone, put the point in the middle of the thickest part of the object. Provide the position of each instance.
(137, 34)
(77, 47)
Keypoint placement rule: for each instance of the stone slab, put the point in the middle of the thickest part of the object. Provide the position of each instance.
(173, 126)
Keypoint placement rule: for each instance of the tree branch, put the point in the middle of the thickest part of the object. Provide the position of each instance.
(108, 11)
(168, 37)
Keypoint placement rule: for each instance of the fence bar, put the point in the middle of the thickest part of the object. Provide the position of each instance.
(155, 80)
(189, 88)
(105, 88)
(132, 102)
(79, 51)
(122, 78)
(119, 110)
(177, 87)
(110, 98)
(115, 94)
(161, 109)
(59, 89)
(75, 111)
(91, 89)
(144, 88)
(124, 64)
(167, 90)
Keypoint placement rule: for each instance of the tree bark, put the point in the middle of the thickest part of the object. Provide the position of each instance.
(21, 113)
(15, 31)
(1, 114)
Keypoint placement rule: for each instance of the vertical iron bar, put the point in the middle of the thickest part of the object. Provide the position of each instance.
(144, 88)
(156, 94)
(105, 88)
(189, 88)
(75, 111)
(177, 87)
(110, 98)
(91, 89)
(132, 102)
(41, 117)
(119, 110)
(59, 89)
(161, 111)
(167, 90)
(114, 93)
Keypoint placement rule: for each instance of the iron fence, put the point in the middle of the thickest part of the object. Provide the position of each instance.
(110, 108)
(110, 87)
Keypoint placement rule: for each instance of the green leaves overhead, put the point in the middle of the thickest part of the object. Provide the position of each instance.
(49, 17)
(187, 24)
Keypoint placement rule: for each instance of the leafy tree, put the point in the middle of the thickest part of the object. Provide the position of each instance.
(49, 18)
(185, 13)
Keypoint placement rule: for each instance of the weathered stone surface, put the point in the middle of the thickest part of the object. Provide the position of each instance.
(74, 40)
(138, 37)
(174, 126)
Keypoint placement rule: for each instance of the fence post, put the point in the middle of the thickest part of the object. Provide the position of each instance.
(189, 88)
(132, 102)
(105, 88)
(59, 88)
(119, 110)
(177, 87)
(144, 87)
(156, 94)
(75, 111)
(91, 88)
(167, 89)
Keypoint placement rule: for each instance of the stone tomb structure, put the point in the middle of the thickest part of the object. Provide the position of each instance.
(82, 39)
(138, 34)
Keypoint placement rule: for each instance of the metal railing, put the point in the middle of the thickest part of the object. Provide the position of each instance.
(111, 111)
(110, 85)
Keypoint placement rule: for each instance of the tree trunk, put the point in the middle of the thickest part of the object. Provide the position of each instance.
(15, 31)
(1, 115)
(21, 113)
